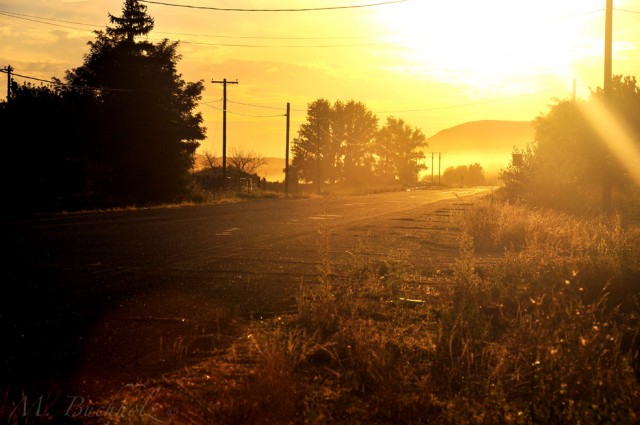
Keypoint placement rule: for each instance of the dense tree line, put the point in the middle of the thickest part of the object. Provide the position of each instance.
(118, 130)
(343, 143)
(463, 175)
(571, 165)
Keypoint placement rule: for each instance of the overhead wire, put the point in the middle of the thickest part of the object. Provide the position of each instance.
(60, 83)
(25, 16)
(626, 10)
(31, 19)
(208, 103)
(429, 109)
(307, 9)
(255, 106)
(287, 46)
(43, 20)
(242, 114)
(13, 74)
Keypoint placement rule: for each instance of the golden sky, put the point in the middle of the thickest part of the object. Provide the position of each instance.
(434, 64)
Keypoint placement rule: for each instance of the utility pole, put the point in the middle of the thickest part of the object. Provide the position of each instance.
(608, 49)
(432, 168)
(608, 77)
(224, 83)
(8, 70)
(318, 154)
(286, 167)
(439, 162)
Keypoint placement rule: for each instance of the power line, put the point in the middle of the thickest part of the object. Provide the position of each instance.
(286, 46)
(626, 10)
(437, 108)
(200, 43)
(311, 9)
(41, 20)
(259, 37)
(29, 78)
(59, 83)
(4, 12)
(254, 105)
(208, 102)
(241, 114)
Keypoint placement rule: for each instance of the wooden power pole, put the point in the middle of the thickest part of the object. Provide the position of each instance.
(8, 70)
(224, 83)
(608, 78)
(432, 168)
(439, 162)
(286, 164)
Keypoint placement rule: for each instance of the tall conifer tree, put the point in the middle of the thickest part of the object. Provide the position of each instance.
(146, 131)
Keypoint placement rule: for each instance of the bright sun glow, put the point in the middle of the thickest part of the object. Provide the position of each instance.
(493, 42)
(618, 139)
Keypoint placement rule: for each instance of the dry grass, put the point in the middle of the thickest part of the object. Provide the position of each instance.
(549, 334)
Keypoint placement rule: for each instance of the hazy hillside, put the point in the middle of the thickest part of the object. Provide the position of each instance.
(273, 170)
(482, 136)
(489, 143)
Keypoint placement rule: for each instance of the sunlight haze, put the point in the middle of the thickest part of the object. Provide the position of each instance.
(434, 64)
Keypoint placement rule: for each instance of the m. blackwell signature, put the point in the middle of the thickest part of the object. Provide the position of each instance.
(78, 407)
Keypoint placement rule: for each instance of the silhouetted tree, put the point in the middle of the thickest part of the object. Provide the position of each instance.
(354, 128)
(519, 175)
(145, 129)
(475, 177)
(312, 153)
(342, 143)
(397, 146)
(209, 160)
(133, 22)
(45, 156)
(472, 175)
(245, 161)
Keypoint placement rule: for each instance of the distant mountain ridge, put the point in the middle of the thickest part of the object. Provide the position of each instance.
(483, 136)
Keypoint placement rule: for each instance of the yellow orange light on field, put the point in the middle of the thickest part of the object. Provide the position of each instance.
(616, 137)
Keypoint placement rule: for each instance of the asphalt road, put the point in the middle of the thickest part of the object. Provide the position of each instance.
(64, 274)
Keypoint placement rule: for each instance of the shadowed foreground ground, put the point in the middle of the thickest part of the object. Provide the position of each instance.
(92, 302)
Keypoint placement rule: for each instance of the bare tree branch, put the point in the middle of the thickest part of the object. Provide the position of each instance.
(245, 161)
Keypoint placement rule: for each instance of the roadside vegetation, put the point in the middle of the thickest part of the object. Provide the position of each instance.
(547, 333)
